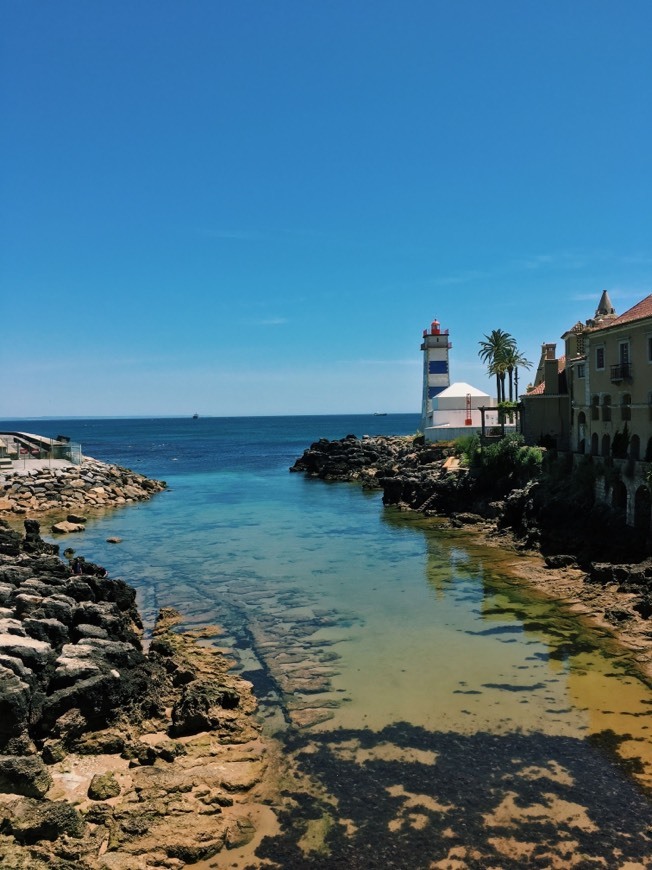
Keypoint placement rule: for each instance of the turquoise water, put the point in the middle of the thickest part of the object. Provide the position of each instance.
(382, 636)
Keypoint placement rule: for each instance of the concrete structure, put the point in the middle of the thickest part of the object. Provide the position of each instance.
(449, 410)
(19, 448)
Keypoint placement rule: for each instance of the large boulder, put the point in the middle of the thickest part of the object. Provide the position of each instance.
(200, 707)
(15, 703)
(103, 786)
(24, 775)
(30, 821)
(10, 541)
(35, 654)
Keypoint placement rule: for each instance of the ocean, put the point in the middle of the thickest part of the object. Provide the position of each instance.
(437, 701)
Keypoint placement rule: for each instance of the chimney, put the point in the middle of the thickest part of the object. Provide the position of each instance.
(551, 370)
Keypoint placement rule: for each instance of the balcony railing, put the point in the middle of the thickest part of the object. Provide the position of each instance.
(621, 372)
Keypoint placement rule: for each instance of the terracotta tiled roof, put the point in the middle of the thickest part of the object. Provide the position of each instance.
(640, 311)
(536, 391)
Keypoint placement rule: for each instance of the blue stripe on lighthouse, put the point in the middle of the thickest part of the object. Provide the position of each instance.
(438, 367)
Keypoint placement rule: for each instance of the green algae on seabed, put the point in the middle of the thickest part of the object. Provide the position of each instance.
(487, 800)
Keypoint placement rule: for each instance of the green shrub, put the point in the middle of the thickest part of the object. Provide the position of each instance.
(511, 462)
(467, 449)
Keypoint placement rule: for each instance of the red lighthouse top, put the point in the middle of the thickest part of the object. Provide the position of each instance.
(435, 329)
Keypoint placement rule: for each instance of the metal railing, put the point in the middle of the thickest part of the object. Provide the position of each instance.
(622, 371)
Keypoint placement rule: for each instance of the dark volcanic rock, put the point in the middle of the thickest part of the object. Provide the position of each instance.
(32, 821)
(67, 643)
(560, 561)
(10, 541)
(15, 704)
(24, 775)
(33, 542)
(199, 707)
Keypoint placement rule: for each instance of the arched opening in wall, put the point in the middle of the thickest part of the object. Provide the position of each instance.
(626, 407)
(606, 445)
(595, 408)
(648, 450)
(595, 443)
(642, 510)
(619, 496)
(606, 408)
(635, 447)
(581, 432)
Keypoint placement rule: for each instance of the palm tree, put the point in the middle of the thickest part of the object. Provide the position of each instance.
(493, 351)
(512, 359)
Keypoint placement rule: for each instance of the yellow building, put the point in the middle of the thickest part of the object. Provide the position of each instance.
(609, 371)
(596, 400)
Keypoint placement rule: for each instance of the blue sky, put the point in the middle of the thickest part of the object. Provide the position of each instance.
(255, 208)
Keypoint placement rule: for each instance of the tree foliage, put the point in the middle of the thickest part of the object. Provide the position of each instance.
(503, 358)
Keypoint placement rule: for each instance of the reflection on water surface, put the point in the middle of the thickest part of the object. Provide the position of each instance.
(443, 705)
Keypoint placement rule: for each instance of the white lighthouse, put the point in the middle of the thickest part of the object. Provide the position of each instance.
(436, 375)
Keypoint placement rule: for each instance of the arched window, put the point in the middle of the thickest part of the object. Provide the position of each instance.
(595, 408)
(635, 447)
(625, 407)
(606, 445)
(642, 510)
(595, 442)
(606, 408)
(581, 432)
(619, 496)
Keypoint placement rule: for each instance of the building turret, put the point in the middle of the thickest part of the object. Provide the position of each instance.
(605, 308)
(436, 376)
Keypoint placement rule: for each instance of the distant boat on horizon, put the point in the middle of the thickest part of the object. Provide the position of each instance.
(195, 416)
(380, 413)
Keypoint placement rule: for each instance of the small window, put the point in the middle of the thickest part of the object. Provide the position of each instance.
(580, 345)
(580, 370)
(624, 352)
(599, 358)
(595, 407)
(649, 349)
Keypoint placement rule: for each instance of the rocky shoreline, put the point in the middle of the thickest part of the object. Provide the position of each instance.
(112, 757)
(563, 552)
(61, 488)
